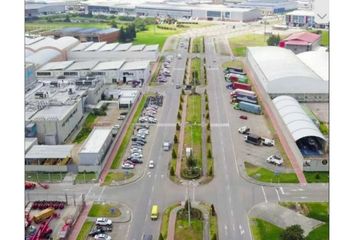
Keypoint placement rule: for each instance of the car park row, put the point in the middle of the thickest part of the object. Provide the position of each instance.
(165, 74)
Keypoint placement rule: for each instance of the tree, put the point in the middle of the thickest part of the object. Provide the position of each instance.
(208, 126)
(294, 232)
(174, 154)
(207, 106)
(161, 237)
(183, 92)
(175, 139)
(67, 19)
(191, 162)
(210, 173)
(214, 237)
(208, 139)
(209, 154)
(179, 115)
(273, 40)
(172, 171)
(213, 213)
(178, 127)
(114, 24)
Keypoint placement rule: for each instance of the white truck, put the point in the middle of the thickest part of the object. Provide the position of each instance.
(166, 146)
(275, 159)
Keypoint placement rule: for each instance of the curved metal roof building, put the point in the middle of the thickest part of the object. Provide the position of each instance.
(43, 56)
(296, 120)
(317, 61)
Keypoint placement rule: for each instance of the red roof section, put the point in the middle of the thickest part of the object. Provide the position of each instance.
(297, 42)
(303, 37)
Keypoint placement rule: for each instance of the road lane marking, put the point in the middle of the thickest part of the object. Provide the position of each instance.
(99, 198)
(264, 194)
(241, 229)
(281, 190)
(276, 190)
(89, 191)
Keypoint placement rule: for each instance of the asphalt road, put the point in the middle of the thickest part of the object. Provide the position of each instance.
(231, 194)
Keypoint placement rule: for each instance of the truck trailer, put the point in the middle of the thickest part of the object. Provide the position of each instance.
(242, 92)
(253, 139)
(244, 86)
(245, 99)
(249, 107)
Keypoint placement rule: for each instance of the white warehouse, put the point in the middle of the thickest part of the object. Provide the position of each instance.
(96, 146)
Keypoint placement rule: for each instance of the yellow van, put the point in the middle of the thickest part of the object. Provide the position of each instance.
(154, 212)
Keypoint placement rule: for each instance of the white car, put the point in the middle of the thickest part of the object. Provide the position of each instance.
(151, 164)
(127, 166)
(136, 150)
(103, 222)
(143, 131)
(138, 155)
(152, 120)
(103, 236)
(268, 142)
(141, 135)
(274, 159)
(244, 130)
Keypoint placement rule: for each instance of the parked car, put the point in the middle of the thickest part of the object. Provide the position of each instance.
(127, 166)
(136, 160)
(178, 86)
(103, 222)
(136, 155)
(143, 130)
(244, 130)
(105, 228)
(274, 159)
(151, 164)
(268, 142)
(103, 236)
(136, 150)
(96, 231)
(147, 237)
(129, 162)
(121, 117)
(244, 117)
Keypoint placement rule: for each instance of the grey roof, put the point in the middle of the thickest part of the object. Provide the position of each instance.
(139, 47)
(112, 65)
(123, 47)
(136, 65)
(42, 56)
(108, 47)
(96, 140)
(107, 31)
(29, 142)
(154, 47)
(295, 118)
(49, 151)
(318, 61)
(81, 46)
(56, 66)
(87, 65)
(95, 46)
(53, 112)
(284, 72)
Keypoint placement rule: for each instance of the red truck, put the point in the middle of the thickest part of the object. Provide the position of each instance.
(244, 86)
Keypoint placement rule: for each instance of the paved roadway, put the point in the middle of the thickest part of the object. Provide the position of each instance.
(232, 196)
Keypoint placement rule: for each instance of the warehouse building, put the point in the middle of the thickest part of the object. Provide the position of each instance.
(80, 69)
(48, 158)
(301, 42)
(303, 18)
(317, 61)
(270, 7)
(135, 71)
(34, 10)
(310, 141)
(108, 70)
(53, 69)
(30, 76)
(96, 146)
(41, 57)
(109, 35)
(280, 72)
(127, 98)
(113, 52)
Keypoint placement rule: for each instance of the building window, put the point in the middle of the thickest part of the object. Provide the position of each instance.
(43, 73)
(71, 73)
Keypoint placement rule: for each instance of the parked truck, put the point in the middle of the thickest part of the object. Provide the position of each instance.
(235, 77)
(234, 70)
(242, 93)
(43, 215)
(253, 139)
(244, 86)
(245, 99)
(248, 107)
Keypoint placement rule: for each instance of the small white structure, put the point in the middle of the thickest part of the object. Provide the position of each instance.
(96, 146)
(189, 152)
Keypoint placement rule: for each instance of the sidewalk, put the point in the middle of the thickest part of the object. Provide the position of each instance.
(172, 223)
(79, 222)
(181, 137)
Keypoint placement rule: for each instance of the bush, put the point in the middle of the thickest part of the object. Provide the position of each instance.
(213, 213)
(174, 154)
(191, 162)
(183, 93)
(207, 107)
(294, 232)
(208, 139)
(180, 106)
(175, 139)
(273, 40)
(214, 237)
(179, 115)
(211, 171)
(178, 127)
(209, 154)
(208, 126)
(172, 171)
(207, 115)
(181, 99)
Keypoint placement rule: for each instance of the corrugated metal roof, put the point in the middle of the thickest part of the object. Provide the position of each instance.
(108, 47)
(56, 66)
(42, 56)
(95, 46)
(96, 140)
(86, 65)
(123, 47)
(81, 46)
(49, 151)
(135, 65)
(295, 118)
(139, 47)
(112, 65)
(151, 48)
(303, 36)
(318, 61)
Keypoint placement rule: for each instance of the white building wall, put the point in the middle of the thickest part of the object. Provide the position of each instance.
(113, 55)
(94, 94)
(135, 75)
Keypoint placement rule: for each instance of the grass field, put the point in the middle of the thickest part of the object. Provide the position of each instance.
(117, 176)
(104, 210)
(193, 138)
(197, 46)
(325, 38)
(154, 35)
(317, 177)
(238, 44)
(45, 26)
(194, 109)
(85, 230)
(86, 128)
(84, 177)
(128, 134)
(236, 64)
(266, 175)
(315, 210)
(184, 232)
(196, 67)
(263, 230)
(44, 177)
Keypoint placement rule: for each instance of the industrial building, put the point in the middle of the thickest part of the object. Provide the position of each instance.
(301, 42)
(135, 71)
(270, 7)
(54, 108)
(109, 35)
(34, 10)
(96, 146)
(48, 158)
(30, 76)
(280, 72)
(303, 18)
(113, 51)
(29, 143)
(317, 61)
(110, 71)
(310, 141)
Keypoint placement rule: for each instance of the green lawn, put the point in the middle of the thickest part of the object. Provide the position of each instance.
(324, 128)
(43, 25)
(154, 35)
(165, 218)
(44, 177)
(117, 176)
(128, 134)
(85, 230)
(197, 46)
(265, 175)
(237, 64)
(320, 233)
(325, 38)
(104, 210)
(153, 81)
(317, 177)
(86, 128)
(196, 67)
(238, 44)
(184, 232)
(193, 138)
(84, 177)
(263, 230)
(194, 109)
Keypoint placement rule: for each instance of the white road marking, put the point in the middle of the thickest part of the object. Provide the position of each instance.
(241, 229)
(225, 230)
(162, 175)
(276, 190)
(89, 191)
(264, 194)
(281, 190)
(99, 198)
(297, 190)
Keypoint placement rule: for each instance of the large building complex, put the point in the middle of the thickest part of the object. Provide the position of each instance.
(281, 72)
(88, 34)
(270, 7)
(301, 42)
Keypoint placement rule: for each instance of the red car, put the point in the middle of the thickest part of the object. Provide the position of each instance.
(243, 117)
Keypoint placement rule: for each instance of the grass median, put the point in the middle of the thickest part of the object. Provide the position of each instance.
(196, 68)
(197, 46)
(85, 230)
(183, 230)
(104, 210)
(263, 230)
(240, 43)
(123, 146)
(165, 219)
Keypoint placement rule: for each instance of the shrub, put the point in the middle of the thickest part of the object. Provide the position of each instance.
(175, 139)
(172, 171)
(181, 99)
(214, 237)
(174, 154)
(211, 171)
(208, 126)
(161, 237)
(208, 139)
(179, 115)
(207, 115)
(207, 107)
(209, 154)
(178, 127)
(294, 232)
(191, 162)
(183, 93)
